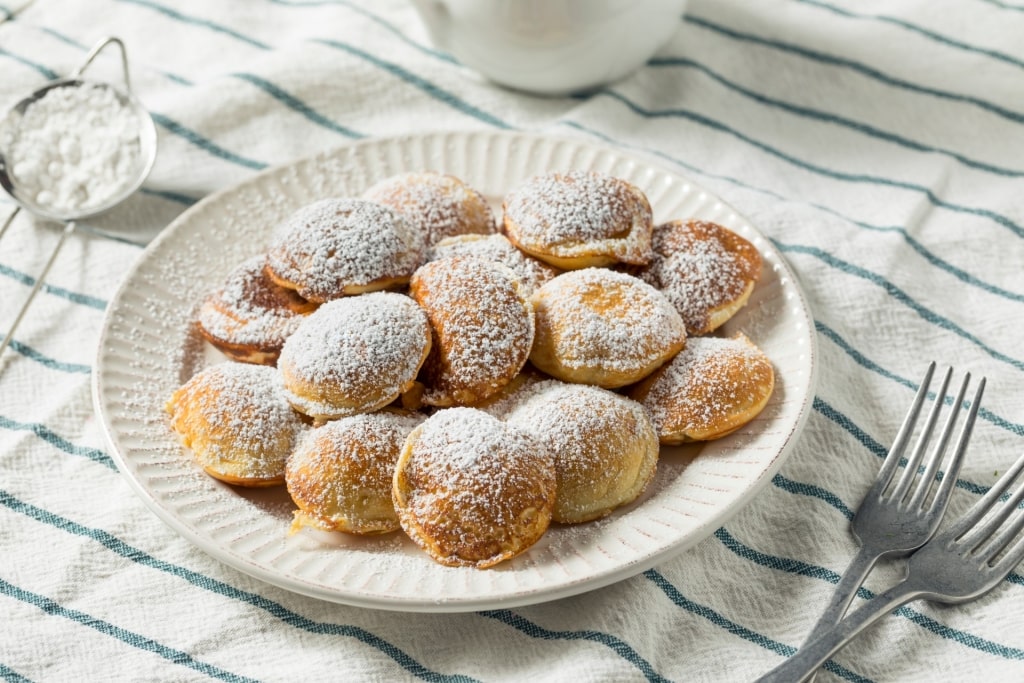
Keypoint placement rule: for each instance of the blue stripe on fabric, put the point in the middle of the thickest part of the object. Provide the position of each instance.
(30, 353)
(1015, 428)
(790, 566)
(296, 104)
(812, 491)
(175, 197)
(394, 69)
(863, 69)
(443, 56)
(782, 564)
(707, 122)
(732, 627)
(204, 143)
(136, 640)
(74, 43)
(47, 73)
(956, 272)
(821, 406)
(195, 21)
(920, 30)
(421, 83)
(276, 610)
(901, 296)
(1005, 5)
(9, 675)
(618, 646)
(75, 297)
(827, 117)
(57, 441)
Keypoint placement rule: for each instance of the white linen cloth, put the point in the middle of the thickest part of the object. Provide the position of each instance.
(879, 145)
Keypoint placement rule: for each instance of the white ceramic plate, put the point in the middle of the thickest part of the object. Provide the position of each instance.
(147, 349)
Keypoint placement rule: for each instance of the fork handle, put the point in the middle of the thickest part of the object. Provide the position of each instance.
(809, 658)
(860, 566)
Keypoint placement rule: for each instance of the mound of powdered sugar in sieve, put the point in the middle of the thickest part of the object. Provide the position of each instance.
(74, 148)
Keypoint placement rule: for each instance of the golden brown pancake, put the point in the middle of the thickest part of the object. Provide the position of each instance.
(602, 327)
(237, 422)
(705, 270)
(471, 490)
(579, 220)
(712, 388)
(338, 247)
(437, 205)
(249, 317)
(355, 355)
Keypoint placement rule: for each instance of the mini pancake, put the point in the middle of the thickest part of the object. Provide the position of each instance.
(471, 490)
(579, 220)
(597, 326)
(338, 247)
(482, 328)
(355, 355)
(237, 422)
(437, 205)
(531, 272)
(712, 388)
(249, 317)
(340, 474)
(604, 445)
(705, 270)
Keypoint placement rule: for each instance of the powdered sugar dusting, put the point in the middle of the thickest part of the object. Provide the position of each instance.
(604, 445)
(337, 243)
(237, 419)
(700, 266)
(250, 309)
(483, 328)
(611, 319)
(566, 214)
(707, 380)
(531, 272)
(341, 472)
(470, 478)
(437, 205)
(365, 346)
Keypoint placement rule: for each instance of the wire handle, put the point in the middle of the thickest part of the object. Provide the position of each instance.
(95, 51)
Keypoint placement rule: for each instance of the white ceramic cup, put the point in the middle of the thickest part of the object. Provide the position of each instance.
(551, 47)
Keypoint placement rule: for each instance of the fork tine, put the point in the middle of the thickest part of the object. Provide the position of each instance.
(952, 470)
(986, 531)
(892, 460)
(978, 510)
(1011, 559)
(910, 471)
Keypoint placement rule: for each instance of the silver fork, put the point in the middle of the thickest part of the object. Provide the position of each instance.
(960, 564)
(894, 521)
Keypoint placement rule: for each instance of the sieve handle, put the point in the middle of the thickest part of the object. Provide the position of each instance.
(69, 228)
(97, 48)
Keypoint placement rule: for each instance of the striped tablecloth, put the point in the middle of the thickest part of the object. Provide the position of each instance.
(879, 145)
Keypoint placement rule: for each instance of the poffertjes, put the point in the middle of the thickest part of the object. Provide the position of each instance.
(238, 423)
(604, 445)
(579, 219)
(355, 355)
(482, 327)
(249, 317)
(437, 205)
(339, 247)
(602, 327)
(471, 490)
(712, 388)
(707, 271)
(340, 474)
